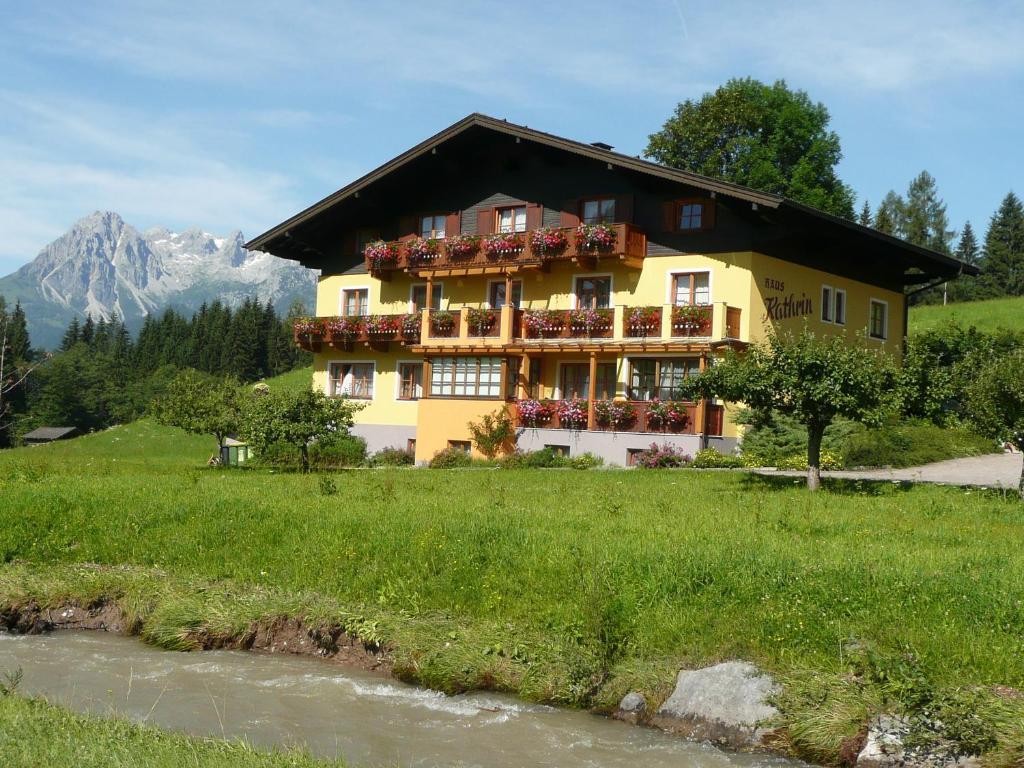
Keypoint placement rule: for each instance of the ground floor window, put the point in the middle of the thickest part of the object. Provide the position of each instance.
(558, 450)
(410, 381)
(462, 446)
(353, 380)
(878, 320)
(465, 377)
(661, 379)
(575, 381)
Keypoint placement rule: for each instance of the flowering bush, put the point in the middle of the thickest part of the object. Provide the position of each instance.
(410, 324)
(462, 246)
(666, 414)
(616, 414)
(422, 249)
(661, 457)
(503, 245)
(346, 327)
(308, 326)
(540, 322)
(480, 320)
(595, 237)
(381, 324)
(381, 254)
(691, 319)
(442, 320)
(533, 413)
(590, 320)
(572, 414)
(548, 241)
(644, 319)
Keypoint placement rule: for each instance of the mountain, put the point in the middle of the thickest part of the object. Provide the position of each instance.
(103, 265)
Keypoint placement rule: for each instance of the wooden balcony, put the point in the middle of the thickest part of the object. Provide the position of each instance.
(345, 333)
(516, 252)
(641, 421)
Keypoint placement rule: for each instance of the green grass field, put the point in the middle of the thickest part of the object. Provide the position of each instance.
(989, 315)
(34, 733)
(562, 586)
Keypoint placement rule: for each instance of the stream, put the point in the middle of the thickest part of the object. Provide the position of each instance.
(367, 718)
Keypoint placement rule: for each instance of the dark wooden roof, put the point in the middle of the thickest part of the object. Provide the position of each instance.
(45, 434)
(928, 264)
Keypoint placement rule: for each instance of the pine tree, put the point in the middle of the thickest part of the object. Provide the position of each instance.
(71, 336)
(1002, 263)
(865, 215)
(88, 331)
(967, 249)
(889, 214)
(924, 221)
(17, 335)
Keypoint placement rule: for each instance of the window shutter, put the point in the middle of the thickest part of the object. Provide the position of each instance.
(668, 216)
(349, 244)
(571, 213)
(407, 228)
(485, 221)
(453, 224)
(534, 215)
(624, 209)
(707, 219)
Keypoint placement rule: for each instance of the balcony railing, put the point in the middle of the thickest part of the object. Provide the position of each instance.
(313, 333)
(702, 322)
(565, 324)
(533, 247)
(677, 418)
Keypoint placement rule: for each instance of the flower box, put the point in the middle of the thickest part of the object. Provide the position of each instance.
(381, 325)
(308, 326)
(666, 415)
(442, 321)
(572, 414)
(595, 237)
(534, 413)
(589, 321)
(480, 321)
(691, 320)
(644, 321)
(410, 325)
(615, 414)
(344, 327)
(543, 322)
(548, 242)
(422, 250)
(462, 246)
(503, 246)
(381, 255)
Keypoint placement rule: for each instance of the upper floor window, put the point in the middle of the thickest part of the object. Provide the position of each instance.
(833, 305)
(839, 315)
(432, 226)
(691, 288)
(512, 219)
(691, 215)
(353, 380)
(594, 292)
(496, 294)
(465, 377)
(364, 237)
(599, 211)
(410, 381)
(827, 305)
(355, 301)
(418, 297)
(878, 319)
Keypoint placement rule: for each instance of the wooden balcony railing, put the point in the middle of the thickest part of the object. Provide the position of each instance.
(565, 324)
(680, 418)
(503, 250)
(344, 332)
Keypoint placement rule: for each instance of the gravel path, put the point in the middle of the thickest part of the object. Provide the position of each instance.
(994, 470)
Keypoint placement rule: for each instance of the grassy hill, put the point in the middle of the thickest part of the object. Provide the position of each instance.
(985, 315)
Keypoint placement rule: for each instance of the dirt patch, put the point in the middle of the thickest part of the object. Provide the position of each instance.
(274, 635)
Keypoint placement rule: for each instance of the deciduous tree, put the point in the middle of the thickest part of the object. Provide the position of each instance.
(995, 402)
(202, 404)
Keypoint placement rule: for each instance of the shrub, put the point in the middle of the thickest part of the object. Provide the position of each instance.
(493, 432)
(617, 414)
(337, 452)
(709, 458)
(798, 461)
(771, 439)
(662, 457)
(545, 458)
(911, 444)
(450, 458)
(393, 457)
(586, 461)
(514, 460)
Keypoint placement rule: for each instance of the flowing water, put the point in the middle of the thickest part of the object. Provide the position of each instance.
(366, 718)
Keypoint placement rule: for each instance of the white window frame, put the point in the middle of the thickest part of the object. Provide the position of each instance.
(398, 379)
(670, 280)
(347, 288)
(373, 378)
(835, 307)
(429, 385)
(522, 288)
(585, 275)
(513, 208)
(830, 305)
(434, 217)
(438, 289)
(885, 324)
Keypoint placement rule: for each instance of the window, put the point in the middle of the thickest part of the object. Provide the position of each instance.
(364, 237)
(410, 445)
(410, 381)
(534, 376)
(840, 307)
(662, 379)
(827, 305)
(594, 292)
(512, 219)
(575, 381)
(599, 211)
(691, 288)
(432, 226)
(496, 294)
(558, 450)
(418, 297)
(462, 446)
(353, 380)
(691, 216)
(355, 301)
(466, 377)
(878, 319)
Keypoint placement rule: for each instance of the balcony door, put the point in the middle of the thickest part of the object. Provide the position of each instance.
(594, 292)
(575, 381)
(496, 294)
(418, 297)
(355, 302)
(689, 288)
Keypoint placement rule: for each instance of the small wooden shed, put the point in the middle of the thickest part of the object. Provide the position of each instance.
(234, 452)
(48, 435)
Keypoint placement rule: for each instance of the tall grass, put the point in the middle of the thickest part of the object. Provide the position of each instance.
(987, 315)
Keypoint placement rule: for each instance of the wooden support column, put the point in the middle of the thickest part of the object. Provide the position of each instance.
(702, 405)
(429, 301)
(524, 378)
(427, 375)
(592, 392)
(508, 289)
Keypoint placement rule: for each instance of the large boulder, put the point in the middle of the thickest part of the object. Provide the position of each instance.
(726, 704)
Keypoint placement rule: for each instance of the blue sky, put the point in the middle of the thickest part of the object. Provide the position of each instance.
(236, 115)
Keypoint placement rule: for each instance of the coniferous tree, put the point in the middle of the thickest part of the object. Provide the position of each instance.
(71, 336)
(17, 335)
(889, 213)
(865, 215)
(966, 288)
(1002, 262)
(88, 330)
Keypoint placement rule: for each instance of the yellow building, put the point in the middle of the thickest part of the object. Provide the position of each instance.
(494, 266)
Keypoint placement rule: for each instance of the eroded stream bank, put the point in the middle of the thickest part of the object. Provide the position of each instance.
(361, 715)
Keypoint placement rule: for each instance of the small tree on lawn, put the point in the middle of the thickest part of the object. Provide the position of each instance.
(493, 432)
(810, 378)
(295, 418)
(201, 404)
(995, 402)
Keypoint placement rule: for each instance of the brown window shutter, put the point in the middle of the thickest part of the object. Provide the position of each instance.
(534, 215)
(485, 221)
(407, 227)
(571, 213)
(668, 216)
(453, 224)
(707, 219)
(624, 209)
(349, 244)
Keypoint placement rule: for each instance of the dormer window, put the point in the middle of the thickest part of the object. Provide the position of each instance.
(432, 226)
(599, 211)
(512, 219)
(689, 215)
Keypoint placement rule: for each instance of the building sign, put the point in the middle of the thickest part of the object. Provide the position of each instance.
(785, 307)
